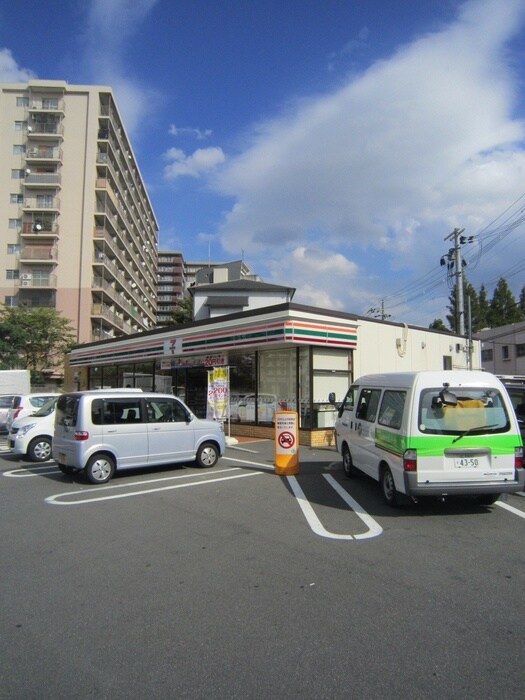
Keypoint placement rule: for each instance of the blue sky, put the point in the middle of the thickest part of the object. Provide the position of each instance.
(333, 144)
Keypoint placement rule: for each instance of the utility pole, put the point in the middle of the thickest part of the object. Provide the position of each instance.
(454, 257)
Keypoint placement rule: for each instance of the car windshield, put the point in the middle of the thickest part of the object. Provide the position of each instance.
(46, 409)
(477, 410)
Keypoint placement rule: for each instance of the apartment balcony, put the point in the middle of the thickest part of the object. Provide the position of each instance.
(45, 130)
(36, 180)
(43, 154)
(106, 316)
(41, 229)
(45, 105)
(38, 254)
(41, 203)
(30, 280)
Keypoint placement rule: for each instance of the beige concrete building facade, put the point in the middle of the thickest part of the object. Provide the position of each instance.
(78, 230)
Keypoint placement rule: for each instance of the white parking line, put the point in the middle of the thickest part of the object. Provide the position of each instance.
(22, 472)
(506, 506)
(54, 500)
(374, 529)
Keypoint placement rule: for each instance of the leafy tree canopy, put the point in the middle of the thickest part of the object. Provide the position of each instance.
(183, 312)
(33, 338)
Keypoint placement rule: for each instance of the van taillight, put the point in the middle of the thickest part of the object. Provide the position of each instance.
(17, 412)
(410, 461)
(518, 458)
(81, 435)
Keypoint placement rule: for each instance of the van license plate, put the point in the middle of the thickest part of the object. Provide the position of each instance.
(467, 462)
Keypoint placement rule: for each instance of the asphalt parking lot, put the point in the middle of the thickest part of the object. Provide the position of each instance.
(234, 582)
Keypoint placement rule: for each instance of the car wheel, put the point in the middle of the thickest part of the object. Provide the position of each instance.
(39, 449)
(207, 455)
(388, 487)
(348, 464)
(99, 469)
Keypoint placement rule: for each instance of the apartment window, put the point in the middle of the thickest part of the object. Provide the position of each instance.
(17, 174)
(49, 103)
(44, 201)
(41, 278)
(520, 350)
(22, 102)
(19, 149)
(12, 274)
(505, 352)
(20, 126)
(10, 301)
(15, 223)
(16, 198)
(487, 355)
(13, 248)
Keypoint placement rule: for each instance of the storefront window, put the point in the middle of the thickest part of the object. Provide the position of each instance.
(126, 376)
(144, 376)
(277, 383)
(242, 387)
(305, 397)
(103, 377)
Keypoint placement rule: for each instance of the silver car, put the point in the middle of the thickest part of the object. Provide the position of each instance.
(103, 431)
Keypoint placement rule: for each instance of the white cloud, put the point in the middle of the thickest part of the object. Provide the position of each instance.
(110, 26)
(199, 134)
(10, 71)
(391, 161)
(201, 161)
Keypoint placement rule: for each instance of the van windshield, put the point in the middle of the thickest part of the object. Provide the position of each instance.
(477, 411)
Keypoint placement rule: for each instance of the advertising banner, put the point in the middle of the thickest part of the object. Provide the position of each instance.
(217, 394)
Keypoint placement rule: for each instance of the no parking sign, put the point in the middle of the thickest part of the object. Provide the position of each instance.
(286, 443)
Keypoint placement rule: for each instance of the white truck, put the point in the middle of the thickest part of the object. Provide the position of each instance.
(15, 381)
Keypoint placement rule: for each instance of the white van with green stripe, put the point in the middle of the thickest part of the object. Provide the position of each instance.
(432, 433)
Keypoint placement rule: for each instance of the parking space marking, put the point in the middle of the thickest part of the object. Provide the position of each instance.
(374, 529)
(22, 472)
(54, 500)
(511, 509)
(261, 465)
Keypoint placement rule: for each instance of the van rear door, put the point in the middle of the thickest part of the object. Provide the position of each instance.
(471, 441)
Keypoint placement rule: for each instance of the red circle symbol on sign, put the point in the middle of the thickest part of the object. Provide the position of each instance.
(286, 440)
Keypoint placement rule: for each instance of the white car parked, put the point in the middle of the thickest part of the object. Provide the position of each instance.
(32, 435)
(25, 404)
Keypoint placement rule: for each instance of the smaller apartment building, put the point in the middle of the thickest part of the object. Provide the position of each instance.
(503, 349)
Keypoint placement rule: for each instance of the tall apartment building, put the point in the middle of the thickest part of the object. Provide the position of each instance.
(171, 284)
(176, 275)
(78, 230)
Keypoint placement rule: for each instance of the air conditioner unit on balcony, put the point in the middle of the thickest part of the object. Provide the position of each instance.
(27, 276)
(26, 283)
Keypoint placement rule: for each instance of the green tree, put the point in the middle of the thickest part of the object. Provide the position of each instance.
(503, 306)
(522, 300)
(438, 325)
(484, 309)
(33, 338)
(183, 312)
